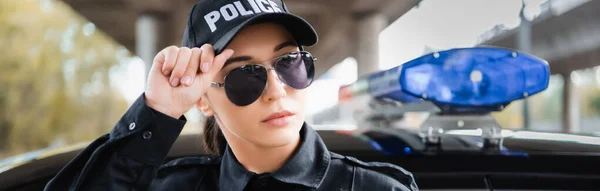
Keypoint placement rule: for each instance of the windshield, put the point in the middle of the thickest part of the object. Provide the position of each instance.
(69, 69)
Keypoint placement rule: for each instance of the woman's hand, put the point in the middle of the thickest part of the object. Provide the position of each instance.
(180, 76)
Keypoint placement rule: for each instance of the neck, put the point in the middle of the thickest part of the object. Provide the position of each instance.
(260, 159)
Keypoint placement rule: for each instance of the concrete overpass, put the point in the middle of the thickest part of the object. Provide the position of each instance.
(569, 41)
(346, 28)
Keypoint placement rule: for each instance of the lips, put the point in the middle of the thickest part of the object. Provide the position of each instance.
(277, 115)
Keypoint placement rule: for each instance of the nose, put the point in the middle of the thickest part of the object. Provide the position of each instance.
(276, 89)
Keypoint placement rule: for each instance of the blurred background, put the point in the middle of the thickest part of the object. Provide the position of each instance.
(69, 69)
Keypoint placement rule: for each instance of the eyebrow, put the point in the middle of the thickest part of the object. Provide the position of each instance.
(237, 59)
(246, 58)
(283, 45)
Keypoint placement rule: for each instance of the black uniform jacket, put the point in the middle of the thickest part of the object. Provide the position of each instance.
(131, 157)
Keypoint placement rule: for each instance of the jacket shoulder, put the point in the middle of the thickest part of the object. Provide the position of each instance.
(185, 164)
(192, 161)
(188, 173)
(380, 172)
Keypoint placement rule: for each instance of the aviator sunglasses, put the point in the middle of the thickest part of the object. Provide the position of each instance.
(245, 84)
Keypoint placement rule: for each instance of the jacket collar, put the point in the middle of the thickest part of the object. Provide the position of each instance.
(307, 167)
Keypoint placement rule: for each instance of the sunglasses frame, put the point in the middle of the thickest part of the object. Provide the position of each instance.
(222, 84)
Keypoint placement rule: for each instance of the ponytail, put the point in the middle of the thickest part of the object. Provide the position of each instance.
(214, 141)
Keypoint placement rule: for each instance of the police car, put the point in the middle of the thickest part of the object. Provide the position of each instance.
(460, 146)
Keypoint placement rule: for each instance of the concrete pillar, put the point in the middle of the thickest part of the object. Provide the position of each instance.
(146, 38)
(524, 44)
(368, 29)
(570, 105)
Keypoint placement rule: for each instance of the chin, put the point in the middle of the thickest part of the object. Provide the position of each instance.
(281, 136)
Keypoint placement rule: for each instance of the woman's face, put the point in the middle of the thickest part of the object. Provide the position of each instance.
(258, 43)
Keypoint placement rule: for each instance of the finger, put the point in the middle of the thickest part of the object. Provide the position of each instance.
(192, 68)
(219, 62)
(204, 80)
(207, 57)
(183, 59)
(158, 62)
(170, 54)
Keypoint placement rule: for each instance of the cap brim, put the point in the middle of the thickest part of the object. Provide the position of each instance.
(302, 31)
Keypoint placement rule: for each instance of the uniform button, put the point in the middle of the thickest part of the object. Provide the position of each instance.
(132, 126)
(147, 135)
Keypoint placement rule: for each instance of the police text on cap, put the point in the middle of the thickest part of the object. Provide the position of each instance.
(232, 11)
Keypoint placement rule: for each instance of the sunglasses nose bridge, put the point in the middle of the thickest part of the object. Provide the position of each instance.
(275, 87)
(278, 77)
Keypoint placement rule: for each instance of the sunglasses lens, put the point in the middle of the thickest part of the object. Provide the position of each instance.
(296, 70)
(245, 84)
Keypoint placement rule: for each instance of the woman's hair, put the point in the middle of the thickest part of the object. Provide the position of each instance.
(214, 141)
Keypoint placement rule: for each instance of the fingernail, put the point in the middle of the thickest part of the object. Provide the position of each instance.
(228, 53)
(166, 73)
(205, 67)
(186, 80)
(175, 82)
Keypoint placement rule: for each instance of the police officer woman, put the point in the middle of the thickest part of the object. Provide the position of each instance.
(242, 64)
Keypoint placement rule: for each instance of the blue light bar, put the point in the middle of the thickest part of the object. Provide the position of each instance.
(464, 77)
(386, 84)
(482, 76)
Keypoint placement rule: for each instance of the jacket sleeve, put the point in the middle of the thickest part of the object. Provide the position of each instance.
(125, 159)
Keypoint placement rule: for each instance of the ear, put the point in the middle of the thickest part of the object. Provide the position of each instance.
(204, 106)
